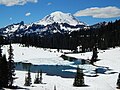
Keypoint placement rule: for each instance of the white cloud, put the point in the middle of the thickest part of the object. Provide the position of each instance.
(49, 3)
(10, 18)
(27, 14)
(16, 2)
(105, 12)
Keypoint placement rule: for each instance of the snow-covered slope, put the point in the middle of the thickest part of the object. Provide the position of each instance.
(60, 17)
(37, 56)
(108, 68)
(13, 28)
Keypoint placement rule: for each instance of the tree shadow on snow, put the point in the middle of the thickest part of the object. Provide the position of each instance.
(82, 86)
(104, 70)
(16, 87)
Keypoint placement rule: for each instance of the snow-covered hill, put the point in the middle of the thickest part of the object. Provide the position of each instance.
(55, 68)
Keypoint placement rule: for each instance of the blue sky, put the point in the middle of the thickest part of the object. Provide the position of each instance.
(88, 11)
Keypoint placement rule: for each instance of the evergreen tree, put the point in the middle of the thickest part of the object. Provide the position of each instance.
(11, 66)
(3, 70)
(28, 79)
(1, 77)
(0, 51)
(41, 76)
(94, 56)
(118, 81)
(79, 78)
(55, 88)
(37, 79)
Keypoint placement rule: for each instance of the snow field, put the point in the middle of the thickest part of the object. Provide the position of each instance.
(109, 63)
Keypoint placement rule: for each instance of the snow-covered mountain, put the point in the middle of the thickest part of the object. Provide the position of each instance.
(56, 22)
(13, 28)
(60, 17)
(99, 25)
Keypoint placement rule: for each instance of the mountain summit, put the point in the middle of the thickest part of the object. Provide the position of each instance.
(60, 17)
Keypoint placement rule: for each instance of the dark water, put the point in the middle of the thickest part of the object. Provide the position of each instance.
(58, 70)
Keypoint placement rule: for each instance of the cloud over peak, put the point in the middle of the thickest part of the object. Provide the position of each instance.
(27, 14)
(96, 12)
(49, 3)
(16, 2)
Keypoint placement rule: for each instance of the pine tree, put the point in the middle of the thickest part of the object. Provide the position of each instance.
(11, 67)
(41, 76)
(55, 88)
(94, 56)
(118, 81)
(28, 79)
(0, 51)
(3, 70)
(0, 68)
(79, 78)
(37, 79)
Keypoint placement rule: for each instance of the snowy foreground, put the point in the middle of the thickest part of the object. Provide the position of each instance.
(60, 73)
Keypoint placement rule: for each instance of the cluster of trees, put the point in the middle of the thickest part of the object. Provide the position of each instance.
(7, 69)
(38, 78)
(58, 41)
(109, 35)
(104, 37)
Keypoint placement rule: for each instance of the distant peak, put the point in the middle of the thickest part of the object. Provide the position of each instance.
(60, 17)
(58, 13)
